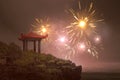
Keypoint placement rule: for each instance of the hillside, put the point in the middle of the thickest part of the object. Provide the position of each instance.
(18, 65)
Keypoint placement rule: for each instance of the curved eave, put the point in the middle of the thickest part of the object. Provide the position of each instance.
(24, 37)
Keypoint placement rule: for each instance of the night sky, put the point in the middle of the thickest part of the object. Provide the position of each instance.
(16, 16)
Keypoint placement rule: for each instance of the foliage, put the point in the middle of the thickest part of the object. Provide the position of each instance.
(3, 49)
(9, 53)
(33, 66)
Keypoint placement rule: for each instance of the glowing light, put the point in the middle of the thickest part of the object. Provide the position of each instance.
(89, 50)
(44, 30)
(82, 46)
(62, 39)
(97, 39)
(82, 24)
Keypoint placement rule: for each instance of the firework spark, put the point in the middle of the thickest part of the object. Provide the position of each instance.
(62, 39)
(82, 46)
(83, 28)
(97, 39)
(41, 27)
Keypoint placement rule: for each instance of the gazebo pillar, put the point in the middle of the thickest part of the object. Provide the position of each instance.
(34, 42)
(23, 45)
(39, 48)
(26, 45)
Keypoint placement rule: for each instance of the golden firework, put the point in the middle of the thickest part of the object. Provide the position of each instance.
(83, 27)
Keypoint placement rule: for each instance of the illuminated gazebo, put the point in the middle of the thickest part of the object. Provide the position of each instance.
(32, 37)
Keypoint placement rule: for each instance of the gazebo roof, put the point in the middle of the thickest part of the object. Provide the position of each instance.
(31, 36)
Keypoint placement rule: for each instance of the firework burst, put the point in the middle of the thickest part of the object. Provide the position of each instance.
(43, 27)
(83, 29)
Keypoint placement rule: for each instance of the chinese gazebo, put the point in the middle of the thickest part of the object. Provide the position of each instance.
(34, 37)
